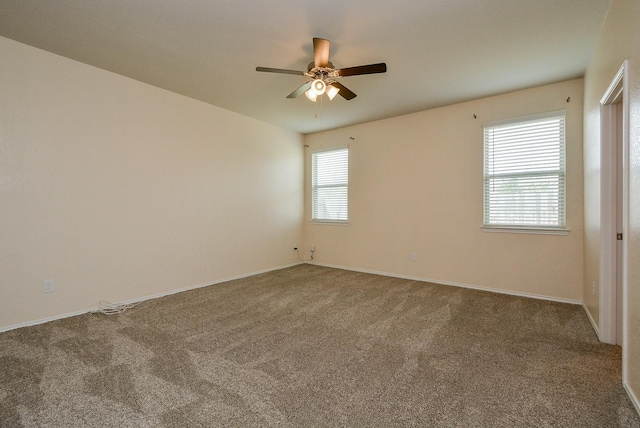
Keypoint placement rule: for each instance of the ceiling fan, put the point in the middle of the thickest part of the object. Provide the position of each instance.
(325, 76)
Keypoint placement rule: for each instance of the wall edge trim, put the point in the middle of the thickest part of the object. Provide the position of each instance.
(144, 298)
(632, 396)
(455, 284)
(592, 321)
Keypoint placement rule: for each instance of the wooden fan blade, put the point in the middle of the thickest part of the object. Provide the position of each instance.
(321, 52)
(280, 70)
(301, 90)
(362, 69)
(344, 91)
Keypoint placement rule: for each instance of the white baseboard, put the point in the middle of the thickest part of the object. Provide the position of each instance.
(592, 321)
(632, 396)
(245, 275)
(455, 284)
(45, 320)
(142, 299)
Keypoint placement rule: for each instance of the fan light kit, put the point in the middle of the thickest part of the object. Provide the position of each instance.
(324, 75)
(318, 87)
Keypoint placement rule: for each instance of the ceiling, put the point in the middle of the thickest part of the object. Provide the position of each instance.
(438, 52)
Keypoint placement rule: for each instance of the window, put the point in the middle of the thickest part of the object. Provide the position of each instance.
(524, 173)
(330, 185)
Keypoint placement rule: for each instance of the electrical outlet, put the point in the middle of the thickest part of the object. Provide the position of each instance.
(49, 286)
(593, 288)
(413, 257)
(312, 248)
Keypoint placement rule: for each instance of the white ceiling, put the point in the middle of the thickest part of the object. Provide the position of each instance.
(438, 52)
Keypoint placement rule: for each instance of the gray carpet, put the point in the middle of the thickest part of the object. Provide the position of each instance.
(312, 346)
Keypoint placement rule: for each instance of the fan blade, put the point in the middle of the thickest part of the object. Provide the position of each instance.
(321, 52)
(301, 90)
(344, 91)
(280, 70)
(362, 69)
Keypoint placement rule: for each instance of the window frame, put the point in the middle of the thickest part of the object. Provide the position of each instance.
(315, 187)
(561, 228)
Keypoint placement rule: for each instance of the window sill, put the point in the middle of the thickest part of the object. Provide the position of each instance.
(530, 230)
(331, 222)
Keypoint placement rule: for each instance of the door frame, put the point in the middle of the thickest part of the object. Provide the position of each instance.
(615, 94)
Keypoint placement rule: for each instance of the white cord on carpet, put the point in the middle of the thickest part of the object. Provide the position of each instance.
(108, 308)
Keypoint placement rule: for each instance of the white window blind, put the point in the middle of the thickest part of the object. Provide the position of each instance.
(330, 185)
(524, 173)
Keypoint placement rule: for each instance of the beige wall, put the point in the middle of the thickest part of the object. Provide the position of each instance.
(118, 190)
(416, 187)
(619, 40)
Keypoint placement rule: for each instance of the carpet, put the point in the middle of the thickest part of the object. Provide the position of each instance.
(311, 346)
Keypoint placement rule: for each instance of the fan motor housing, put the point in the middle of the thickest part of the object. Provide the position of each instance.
(312, 69)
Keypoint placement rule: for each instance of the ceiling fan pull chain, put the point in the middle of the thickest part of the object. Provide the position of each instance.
(321, 114)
